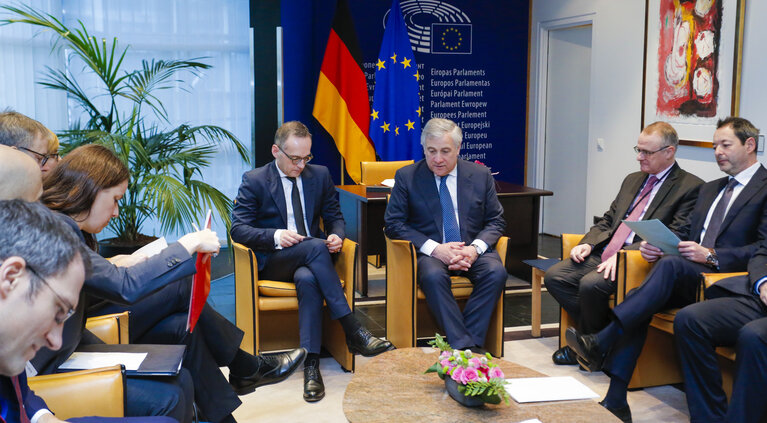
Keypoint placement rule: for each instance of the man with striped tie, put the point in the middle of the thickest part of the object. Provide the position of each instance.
(448, 208)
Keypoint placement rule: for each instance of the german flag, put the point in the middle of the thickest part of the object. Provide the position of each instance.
(341, 104)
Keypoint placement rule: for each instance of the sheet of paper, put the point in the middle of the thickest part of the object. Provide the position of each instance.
(388, 182)
(656, 233)
(536, 389)
(153, 247)
(91, 360)
(531, 421)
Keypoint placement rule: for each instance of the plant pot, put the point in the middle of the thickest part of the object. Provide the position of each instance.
(466, 401)
(111, 247)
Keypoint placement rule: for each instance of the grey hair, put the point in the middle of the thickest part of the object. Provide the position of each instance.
(667, 133)
(41, 238)
(438, 128)
(287, 129)
(17, 130)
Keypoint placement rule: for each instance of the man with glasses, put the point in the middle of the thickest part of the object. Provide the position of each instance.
(30, 136)
(660, 190)
(725, 228)
(277, 214)
(42, 268)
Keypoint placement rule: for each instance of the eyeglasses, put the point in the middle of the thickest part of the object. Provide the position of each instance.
(649, 153)
(296, 159)
(43, 158)
(61, 315)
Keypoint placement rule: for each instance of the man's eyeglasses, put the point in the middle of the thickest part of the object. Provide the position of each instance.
(296, 159)
(65, 312)
(649, 153)
(43, 158)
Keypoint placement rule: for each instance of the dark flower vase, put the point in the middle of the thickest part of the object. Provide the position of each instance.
(466, 401)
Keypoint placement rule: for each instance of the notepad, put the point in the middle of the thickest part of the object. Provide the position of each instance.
(539, 389)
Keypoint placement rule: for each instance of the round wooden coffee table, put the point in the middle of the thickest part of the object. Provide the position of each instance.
(393, 388)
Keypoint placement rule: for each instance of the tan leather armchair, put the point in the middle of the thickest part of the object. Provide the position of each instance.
(267, 311)
(407, 314)
(110, 328)
(373, 173)
(95, 392)
(569, 241)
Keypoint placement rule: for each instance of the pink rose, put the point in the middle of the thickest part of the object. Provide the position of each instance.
(445, 362)
(445, 354)
(474, 362)
(469, 374)
(456, 374)
(495, 372)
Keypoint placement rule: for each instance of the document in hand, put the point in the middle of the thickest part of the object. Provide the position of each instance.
(537, 389)
(656, 233)
(200, 285)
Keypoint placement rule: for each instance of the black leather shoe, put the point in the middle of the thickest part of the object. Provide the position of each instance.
(314, 389)
(363, 342)
(564, 355)
(623, 413)
(587, 349)
(272, 368)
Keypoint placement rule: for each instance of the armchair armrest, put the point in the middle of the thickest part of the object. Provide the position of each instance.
(708, 279)
(632, 269)
(94, 392)
(568, 242)
(110, 328)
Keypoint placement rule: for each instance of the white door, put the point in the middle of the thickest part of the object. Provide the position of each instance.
(567, 128)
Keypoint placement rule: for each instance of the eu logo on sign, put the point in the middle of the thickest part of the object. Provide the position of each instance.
(449, 38)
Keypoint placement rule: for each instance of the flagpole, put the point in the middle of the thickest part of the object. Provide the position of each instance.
(342, 171)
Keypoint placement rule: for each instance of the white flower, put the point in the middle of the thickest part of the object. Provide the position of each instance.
(456, 353)
(483, 360)
(467, 353)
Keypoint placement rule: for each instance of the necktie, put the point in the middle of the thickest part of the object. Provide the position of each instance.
(712, 231)
(298, 210)
(449, 224)
(23, 418)
(622, 233)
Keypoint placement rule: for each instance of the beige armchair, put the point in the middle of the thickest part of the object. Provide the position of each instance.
(95, 392)
(373, 173)
(267, 311)
(407, 314)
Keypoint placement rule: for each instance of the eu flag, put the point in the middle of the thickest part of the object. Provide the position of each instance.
(395, 121)
(451, 38)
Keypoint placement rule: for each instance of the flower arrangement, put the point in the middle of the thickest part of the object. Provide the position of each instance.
(475, 375)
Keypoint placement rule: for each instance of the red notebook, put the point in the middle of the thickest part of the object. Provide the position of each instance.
(200, 285)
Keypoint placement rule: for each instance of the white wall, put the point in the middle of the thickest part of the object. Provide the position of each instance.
(616, 91)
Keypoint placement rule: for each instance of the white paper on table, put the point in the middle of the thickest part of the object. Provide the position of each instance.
(531, 421)
(388, 182)
(153, 248)
(536, 389)
(92, 360)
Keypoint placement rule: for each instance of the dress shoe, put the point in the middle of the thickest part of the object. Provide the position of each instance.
(587, 349)
(272, 368)
(623, 413)
(314, 389)
(565, 355)
(363, 342)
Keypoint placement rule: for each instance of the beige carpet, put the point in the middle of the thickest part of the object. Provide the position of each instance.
(283, 402)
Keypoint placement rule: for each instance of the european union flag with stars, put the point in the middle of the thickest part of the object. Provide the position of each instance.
(451, 38)
(395, 121)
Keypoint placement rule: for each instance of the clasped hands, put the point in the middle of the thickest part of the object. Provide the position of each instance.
(690, 250)
(580, 252)
(456, 255)
(290, 238)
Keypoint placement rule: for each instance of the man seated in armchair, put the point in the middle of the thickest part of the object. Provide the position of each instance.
(448, 208)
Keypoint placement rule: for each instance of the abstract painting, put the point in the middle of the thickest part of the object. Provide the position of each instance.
(692, 65)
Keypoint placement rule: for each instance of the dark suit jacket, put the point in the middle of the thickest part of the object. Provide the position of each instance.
(744, 227)
(414, 212)
(32, 403)
(743, 285)
(260, 208)
(119, 284)
(671, 205)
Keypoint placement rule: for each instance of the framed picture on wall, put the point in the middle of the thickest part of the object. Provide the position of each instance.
(692, 65)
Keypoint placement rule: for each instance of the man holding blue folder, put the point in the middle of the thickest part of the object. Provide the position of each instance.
(726, 227)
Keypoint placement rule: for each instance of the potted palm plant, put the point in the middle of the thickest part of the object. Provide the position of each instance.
(165, 162)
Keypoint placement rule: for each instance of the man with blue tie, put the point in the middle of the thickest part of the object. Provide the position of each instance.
(724, 229)
(448, 208)
(277, 214)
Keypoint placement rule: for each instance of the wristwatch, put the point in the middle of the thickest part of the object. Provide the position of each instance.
(712, 260)
(476, 247)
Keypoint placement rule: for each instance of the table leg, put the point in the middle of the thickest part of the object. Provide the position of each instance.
(535, 320)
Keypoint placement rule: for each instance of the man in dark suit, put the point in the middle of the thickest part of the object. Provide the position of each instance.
(734, 314)
(277, 214)
(448, 208)
(725, 228)
(660, 190)
(42, 268)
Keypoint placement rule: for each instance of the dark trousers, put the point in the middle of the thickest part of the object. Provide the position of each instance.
(161, 318)
(156, 419)
(739, 321)
(469, 328)
(582, 291)
(672, 282)
(160, 396)
(309, 265)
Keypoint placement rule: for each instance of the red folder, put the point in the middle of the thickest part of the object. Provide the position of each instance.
(200, 285)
